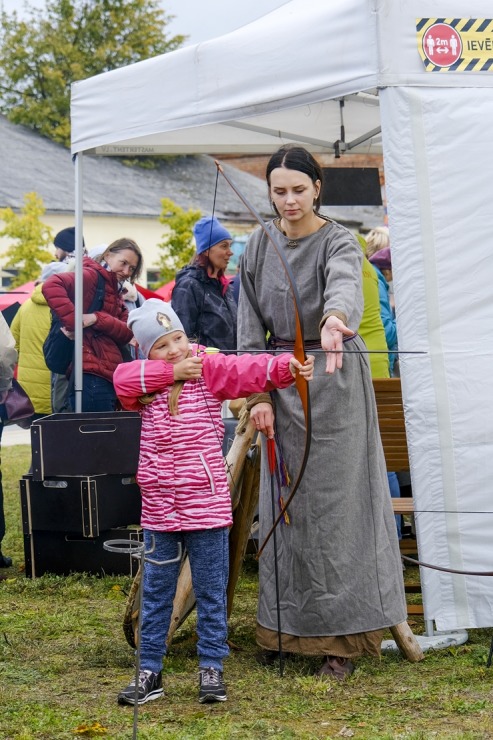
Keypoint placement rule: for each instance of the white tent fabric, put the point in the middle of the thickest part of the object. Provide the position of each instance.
(278, 80)
(438, 166)
(242, 92)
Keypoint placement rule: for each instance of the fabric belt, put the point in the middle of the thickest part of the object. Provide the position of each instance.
(286, 345)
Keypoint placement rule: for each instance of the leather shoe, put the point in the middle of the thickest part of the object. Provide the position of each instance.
(337, 668)
(269, 657)
(5, 562)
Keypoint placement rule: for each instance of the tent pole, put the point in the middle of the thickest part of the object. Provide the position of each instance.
(78, 282)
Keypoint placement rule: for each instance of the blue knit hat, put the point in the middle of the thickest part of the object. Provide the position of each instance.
(208, 232)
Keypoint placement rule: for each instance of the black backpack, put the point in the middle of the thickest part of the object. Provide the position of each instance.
(58, 349)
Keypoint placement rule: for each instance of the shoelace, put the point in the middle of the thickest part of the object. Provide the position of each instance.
(210, 677)
(143, 676)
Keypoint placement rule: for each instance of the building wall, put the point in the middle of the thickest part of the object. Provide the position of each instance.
(256, 164)
(147, 232)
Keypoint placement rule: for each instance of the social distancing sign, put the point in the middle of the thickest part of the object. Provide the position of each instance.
(456, 44)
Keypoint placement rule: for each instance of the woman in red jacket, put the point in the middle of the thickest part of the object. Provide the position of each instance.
(105, 330)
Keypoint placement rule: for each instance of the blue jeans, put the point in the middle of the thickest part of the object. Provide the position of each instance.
(395, 492)
(98, 394)
(208, 551)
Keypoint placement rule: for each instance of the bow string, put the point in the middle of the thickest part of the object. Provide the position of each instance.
(299, 350)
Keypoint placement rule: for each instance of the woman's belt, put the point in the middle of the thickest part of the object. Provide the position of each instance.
(286, 345)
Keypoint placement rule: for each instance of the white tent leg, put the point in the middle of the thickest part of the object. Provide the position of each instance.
(78, 281)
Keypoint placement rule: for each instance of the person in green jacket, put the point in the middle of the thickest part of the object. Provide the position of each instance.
(30, 328)
(371, 327)
(372, 330)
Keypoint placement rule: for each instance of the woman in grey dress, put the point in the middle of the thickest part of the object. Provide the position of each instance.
(340, 574)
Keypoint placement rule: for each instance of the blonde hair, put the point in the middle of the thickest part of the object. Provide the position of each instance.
(376, 240)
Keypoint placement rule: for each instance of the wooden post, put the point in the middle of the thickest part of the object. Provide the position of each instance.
(406, 642)
(184, 600)
(242, 524)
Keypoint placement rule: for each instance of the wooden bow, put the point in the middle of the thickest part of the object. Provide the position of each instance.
(299, 352)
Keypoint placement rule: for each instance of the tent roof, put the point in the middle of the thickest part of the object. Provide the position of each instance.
(273, 81)
(244, 91)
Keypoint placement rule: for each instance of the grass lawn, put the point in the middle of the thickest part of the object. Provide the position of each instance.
(63, 659)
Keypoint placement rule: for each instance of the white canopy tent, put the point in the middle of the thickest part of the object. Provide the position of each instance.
(286, 78)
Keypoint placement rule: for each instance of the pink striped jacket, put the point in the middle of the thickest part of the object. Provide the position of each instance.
(181, 470)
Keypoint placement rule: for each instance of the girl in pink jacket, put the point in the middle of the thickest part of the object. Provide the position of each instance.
(182, 478)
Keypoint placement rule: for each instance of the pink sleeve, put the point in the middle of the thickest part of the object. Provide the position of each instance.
(135, 379)
(233, 376)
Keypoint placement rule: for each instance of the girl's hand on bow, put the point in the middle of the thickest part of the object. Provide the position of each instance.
(262, 416)
(332, 335)
(188, 369)
(305, 369)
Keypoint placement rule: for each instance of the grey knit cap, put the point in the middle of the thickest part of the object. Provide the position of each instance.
(152, 320)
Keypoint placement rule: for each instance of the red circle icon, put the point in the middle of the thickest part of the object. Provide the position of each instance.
(442, 45)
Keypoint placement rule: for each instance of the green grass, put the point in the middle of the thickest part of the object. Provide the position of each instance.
(63, 659)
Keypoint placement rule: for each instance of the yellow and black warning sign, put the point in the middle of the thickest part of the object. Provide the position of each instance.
(456, 44)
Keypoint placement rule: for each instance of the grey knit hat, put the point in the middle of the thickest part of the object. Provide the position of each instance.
(152, 320)
(52, 268)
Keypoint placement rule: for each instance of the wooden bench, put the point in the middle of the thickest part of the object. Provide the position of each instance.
(388, 395)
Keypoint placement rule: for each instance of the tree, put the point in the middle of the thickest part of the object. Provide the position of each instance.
(177, 245)
(67, 41)
(31, 239)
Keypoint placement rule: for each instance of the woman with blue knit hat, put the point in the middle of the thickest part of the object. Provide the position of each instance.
(202, 296)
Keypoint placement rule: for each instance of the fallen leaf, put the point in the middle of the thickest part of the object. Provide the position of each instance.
(93, 730)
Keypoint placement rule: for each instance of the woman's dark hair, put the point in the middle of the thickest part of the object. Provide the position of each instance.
(119, 245)
(296, 158)
(202, 260)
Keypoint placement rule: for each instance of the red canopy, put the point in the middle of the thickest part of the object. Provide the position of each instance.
(165, 291)
(16, 295)
(152, 293)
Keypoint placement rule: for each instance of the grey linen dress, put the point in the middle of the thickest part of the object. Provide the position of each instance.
(339, 563)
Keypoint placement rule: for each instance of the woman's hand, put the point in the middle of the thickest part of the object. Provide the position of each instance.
(188, 369)
(331, 337)
(88, 319)
(68, 334)
(305, 369)
(262, 416)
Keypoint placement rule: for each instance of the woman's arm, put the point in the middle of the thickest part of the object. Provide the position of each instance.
(114, 326)
(343, 291)
(251, 327)
(58, 291)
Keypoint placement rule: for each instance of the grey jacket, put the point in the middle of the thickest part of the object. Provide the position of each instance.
(8, 357)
